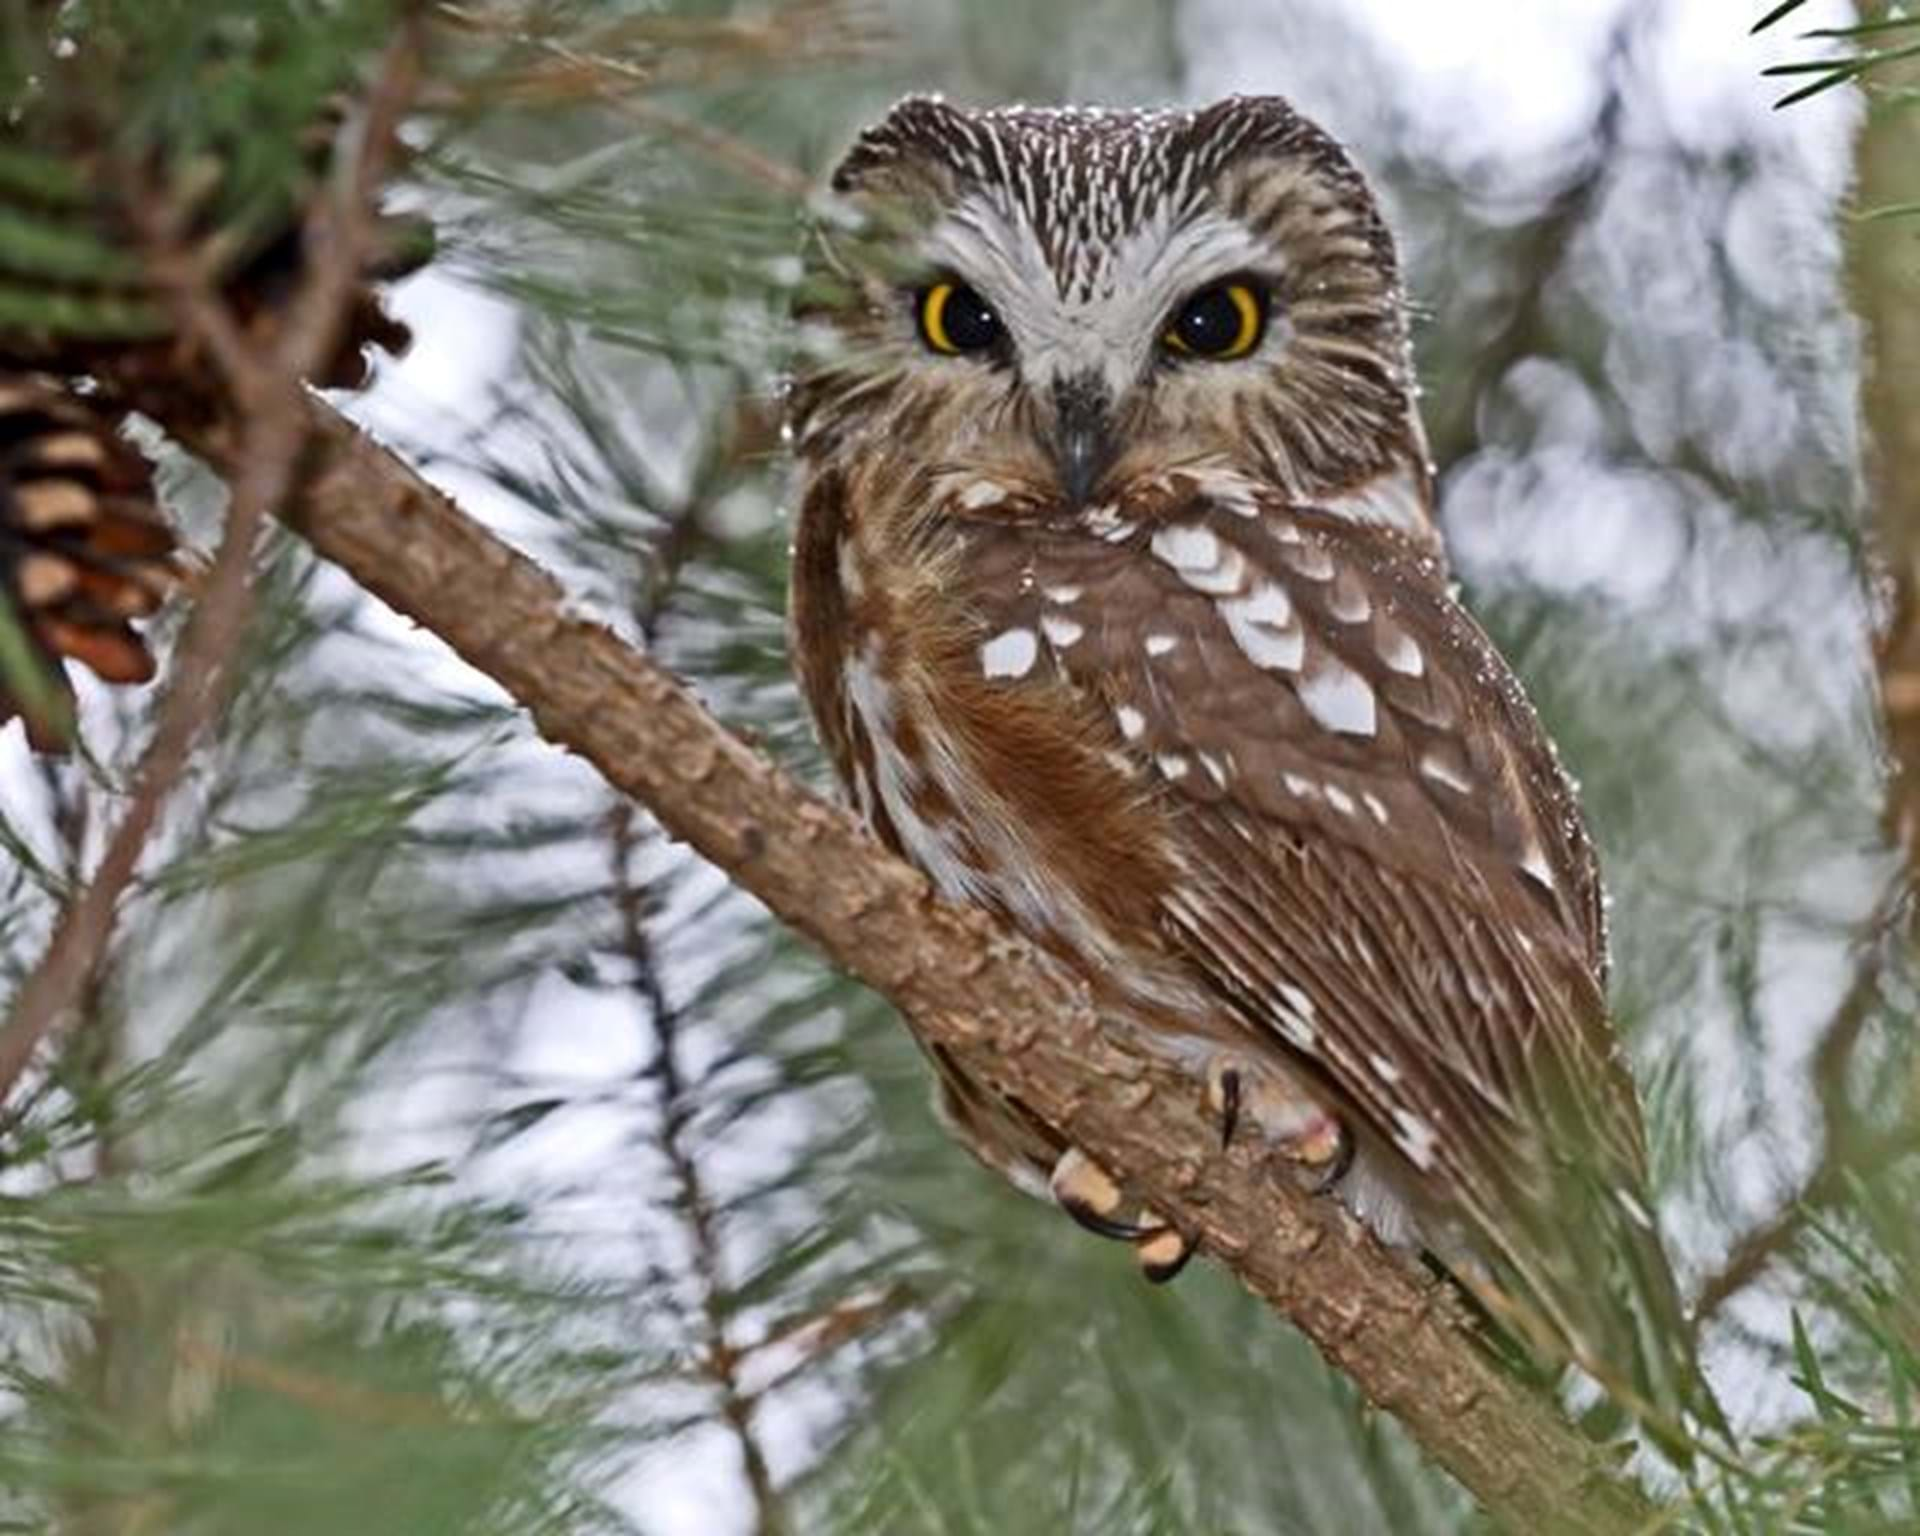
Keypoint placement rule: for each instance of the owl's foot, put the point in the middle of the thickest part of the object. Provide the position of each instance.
(1163, 1253)
(1094, 1199)
(1289, 1120)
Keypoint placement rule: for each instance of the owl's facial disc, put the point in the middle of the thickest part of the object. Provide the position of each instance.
(1163, 333)
(1104, 294)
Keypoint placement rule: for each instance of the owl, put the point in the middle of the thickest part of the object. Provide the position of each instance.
(1121, 609)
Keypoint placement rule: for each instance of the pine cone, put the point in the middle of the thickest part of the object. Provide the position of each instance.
(73, 284)
(269, 269)
(83, 551)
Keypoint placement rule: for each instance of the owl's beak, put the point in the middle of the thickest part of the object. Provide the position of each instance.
(1082, 436)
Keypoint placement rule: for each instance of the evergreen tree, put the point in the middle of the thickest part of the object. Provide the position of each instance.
(402, 1132)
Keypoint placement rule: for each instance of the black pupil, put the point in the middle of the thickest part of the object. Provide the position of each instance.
(969, 323)
(1210, 323)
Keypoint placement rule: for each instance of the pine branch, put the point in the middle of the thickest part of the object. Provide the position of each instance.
(1844, 1153)
(1007, 1015)
(720, 1357)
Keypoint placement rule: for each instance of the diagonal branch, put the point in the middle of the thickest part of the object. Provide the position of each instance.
(1006, 1014)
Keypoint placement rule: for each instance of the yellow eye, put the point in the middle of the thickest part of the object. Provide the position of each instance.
(1222, 322)
(955, 319)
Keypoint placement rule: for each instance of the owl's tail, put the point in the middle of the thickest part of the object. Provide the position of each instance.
(1610, 1302)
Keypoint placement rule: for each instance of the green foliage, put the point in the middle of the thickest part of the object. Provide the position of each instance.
(128, 116)
(442, 1150)
(1874, 44)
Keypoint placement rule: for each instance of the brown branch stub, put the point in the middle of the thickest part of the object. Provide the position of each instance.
(967, 985)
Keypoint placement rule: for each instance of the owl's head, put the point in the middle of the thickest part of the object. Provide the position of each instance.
(1077, 296)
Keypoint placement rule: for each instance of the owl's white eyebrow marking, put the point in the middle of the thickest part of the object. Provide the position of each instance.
(1011, 653)
(1437, 768)
(1061, 631)
(1262, 626)
(983, 493)
(1159, 644)
(1131, 721)
(1339, 698)
(1402, 652)
(1416, 1137)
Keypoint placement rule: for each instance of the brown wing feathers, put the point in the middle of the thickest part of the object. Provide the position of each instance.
(1383, 871)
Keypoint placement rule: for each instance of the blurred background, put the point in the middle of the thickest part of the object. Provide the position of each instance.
(444, 1151)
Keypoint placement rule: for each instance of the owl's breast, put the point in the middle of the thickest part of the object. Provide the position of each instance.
(931, 669)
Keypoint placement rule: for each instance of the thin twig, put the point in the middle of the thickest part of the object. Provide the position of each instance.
(720, 1358)
(1842, 1151)
(267, 391)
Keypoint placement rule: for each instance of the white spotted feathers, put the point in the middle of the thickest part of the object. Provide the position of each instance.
(1206, 720)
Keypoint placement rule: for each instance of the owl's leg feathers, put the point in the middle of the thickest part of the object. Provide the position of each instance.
(1241, 1091)
(1089, 1194)
(1094, 1199)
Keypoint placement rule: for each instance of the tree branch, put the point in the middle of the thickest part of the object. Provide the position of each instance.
(1007, 1015)
(1844, 1150)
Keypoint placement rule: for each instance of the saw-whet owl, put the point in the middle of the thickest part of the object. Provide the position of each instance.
(1120, 606)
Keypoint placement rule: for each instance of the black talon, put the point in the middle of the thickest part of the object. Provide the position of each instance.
(1324, 1179)
(1105, 1226)
(1163, 1272)
(1229, 1105)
